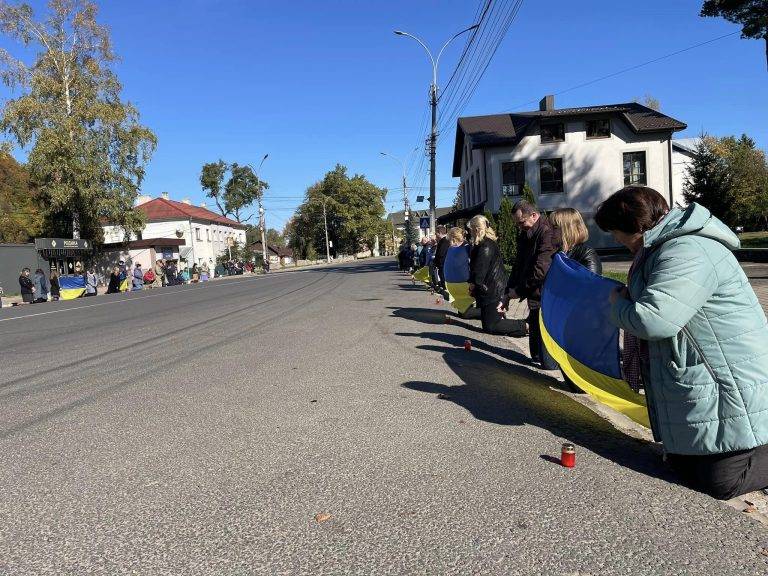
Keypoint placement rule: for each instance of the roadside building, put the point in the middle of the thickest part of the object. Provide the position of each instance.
(571, 157)
(177, 230)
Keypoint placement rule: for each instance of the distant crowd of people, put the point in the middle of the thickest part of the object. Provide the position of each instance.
(40, 288)
(695, 337)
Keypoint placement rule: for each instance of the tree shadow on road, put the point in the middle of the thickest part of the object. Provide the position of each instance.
(515, 395)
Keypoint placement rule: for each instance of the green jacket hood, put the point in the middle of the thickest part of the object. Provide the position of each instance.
(695, 220)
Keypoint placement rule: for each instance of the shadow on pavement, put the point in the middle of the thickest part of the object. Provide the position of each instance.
(514, 395)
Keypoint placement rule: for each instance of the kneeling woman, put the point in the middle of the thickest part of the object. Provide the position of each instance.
(702, 340)
(488, 280)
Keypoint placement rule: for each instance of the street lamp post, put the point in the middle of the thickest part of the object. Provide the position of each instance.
(433, 104)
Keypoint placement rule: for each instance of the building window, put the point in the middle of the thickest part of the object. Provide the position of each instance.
(553, 132)
(208, 234)
(599, 128)
(634, 168)
(197, 234)
(512, 178)
(551, 175)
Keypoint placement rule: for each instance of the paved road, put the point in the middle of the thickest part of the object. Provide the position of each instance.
(200, 430)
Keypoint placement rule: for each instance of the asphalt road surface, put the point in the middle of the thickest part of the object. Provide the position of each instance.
(202, 429)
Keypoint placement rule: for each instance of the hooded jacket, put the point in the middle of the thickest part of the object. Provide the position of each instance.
(707, 379)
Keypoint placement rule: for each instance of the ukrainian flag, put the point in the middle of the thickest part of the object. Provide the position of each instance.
(422, 274)
(577, 332)
(456, 271)
(71, 287)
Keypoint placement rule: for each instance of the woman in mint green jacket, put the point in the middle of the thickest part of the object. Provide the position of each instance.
(700, 339)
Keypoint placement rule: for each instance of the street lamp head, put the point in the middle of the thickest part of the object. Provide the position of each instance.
(265, 157)
(399, 32)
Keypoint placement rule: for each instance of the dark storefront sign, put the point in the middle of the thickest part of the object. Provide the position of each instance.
(62, 247)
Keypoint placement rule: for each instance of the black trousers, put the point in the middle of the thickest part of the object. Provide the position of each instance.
(495, 323)
(538, 350)
(724, 476)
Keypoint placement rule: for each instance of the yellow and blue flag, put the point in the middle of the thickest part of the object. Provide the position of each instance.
(577, 331)
(422, 274)
(71, 287)
(456, 272)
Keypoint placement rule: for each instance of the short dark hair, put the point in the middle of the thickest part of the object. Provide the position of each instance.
(632, 210)
(527, 208)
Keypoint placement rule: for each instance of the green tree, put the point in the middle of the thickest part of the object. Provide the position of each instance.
(89, 151)
(20, 217)
(708, 181)
(507, 231)
(491, 220)
(275, 238)
(748, 172)
(241, 190)
(411, 231)
(751, 14)
(527, 194)
(354, 210)
(212, 181)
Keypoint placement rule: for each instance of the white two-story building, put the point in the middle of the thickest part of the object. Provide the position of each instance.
(199, 234)
(572, 157)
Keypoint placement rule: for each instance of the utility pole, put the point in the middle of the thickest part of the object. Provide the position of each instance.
(325, 223)
(262, 219)
(263, 228)
(433, 104)
(432, 155)
(406, 204)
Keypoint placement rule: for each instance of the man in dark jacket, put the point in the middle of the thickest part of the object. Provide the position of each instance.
(441, 250)
(537, 243)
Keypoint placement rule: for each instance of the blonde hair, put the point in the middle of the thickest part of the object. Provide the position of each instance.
(572, 228)
(456, 235)
(481, 229)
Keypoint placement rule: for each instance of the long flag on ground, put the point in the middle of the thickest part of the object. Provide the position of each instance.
(456, 271)
(71, 287)
(577, 332)
(422, 274)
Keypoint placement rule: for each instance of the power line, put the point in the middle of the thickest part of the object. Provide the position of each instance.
(635, 67)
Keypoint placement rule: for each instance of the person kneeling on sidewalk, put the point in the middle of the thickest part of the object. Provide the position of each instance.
(699, 336)
(487, 279)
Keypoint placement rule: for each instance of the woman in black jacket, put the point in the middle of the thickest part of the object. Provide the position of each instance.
(574, 235)
(488, 280)
(114, 281)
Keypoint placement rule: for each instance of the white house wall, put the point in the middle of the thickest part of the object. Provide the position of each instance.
(681, 161)
(212, 242)
(592, 169)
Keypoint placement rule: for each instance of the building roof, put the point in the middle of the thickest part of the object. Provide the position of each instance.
(162, 209)
(508, 129)
(398, 218)
(281, 251)
(688, 145)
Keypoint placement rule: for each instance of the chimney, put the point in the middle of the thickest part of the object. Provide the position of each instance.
(202, 205)
(187, 201)
(547, 103)
(164, 195)
(143, 199)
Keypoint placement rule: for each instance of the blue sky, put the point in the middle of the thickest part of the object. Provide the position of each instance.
(314, 83)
